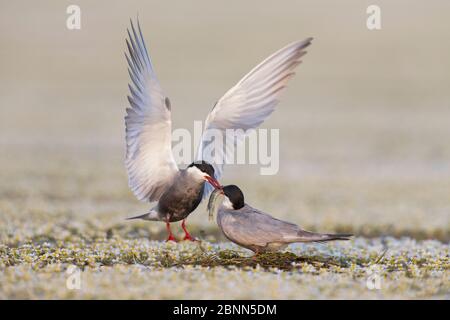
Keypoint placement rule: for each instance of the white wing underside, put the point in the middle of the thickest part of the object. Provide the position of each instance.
(247, 104)
(149, 159)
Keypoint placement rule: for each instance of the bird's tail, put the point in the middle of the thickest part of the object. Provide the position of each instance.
(306, 236)
(335, 236)
(151, 215)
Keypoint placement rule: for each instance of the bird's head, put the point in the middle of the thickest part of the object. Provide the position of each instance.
(234, 198)
(204, 171)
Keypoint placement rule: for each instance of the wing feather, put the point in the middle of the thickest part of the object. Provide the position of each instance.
(247, 104)
(249, 226)
(149, 159)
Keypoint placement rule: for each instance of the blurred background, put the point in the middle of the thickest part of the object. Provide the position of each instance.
(364, 125)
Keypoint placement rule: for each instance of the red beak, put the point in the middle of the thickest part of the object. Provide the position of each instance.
(213, 182)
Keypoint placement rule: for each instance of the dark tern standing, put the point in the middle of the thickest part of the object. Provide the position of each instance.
(152, 172)
(256, 230)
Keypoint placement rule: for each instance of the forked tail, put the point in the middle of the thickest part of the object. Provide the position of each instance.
(335, 236)
(151, 216)
(307, 236)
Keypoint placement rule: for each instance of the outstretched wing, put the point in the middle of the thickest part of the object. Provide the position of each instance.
(247, 104)
(149, 159)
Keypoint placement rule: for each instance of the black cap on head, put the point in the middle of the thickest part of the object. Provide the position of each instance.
(235, 195)
(204, 167)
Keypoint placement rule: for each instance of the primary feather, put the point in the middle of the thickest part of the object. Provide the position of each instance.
(247, 104)
(149, 160)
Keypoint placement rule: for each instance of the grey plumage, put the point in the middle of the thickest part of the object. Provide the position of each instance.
(149, 160)
(259, 231)
(178, 201)
(153, 174)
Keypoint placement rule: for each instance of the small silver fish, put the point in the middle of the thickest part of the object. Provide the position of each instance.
(215, 199)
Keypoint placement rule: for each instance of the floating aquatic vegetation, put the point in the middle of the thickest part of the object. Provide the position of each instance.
(405, 268)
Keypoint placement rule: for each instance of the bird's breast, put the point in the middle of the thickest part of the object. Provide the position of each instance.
(180, 200)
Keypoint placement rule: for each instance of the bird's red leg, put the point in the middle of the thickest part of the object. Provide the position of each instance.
(187, 236)
(171, 237)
